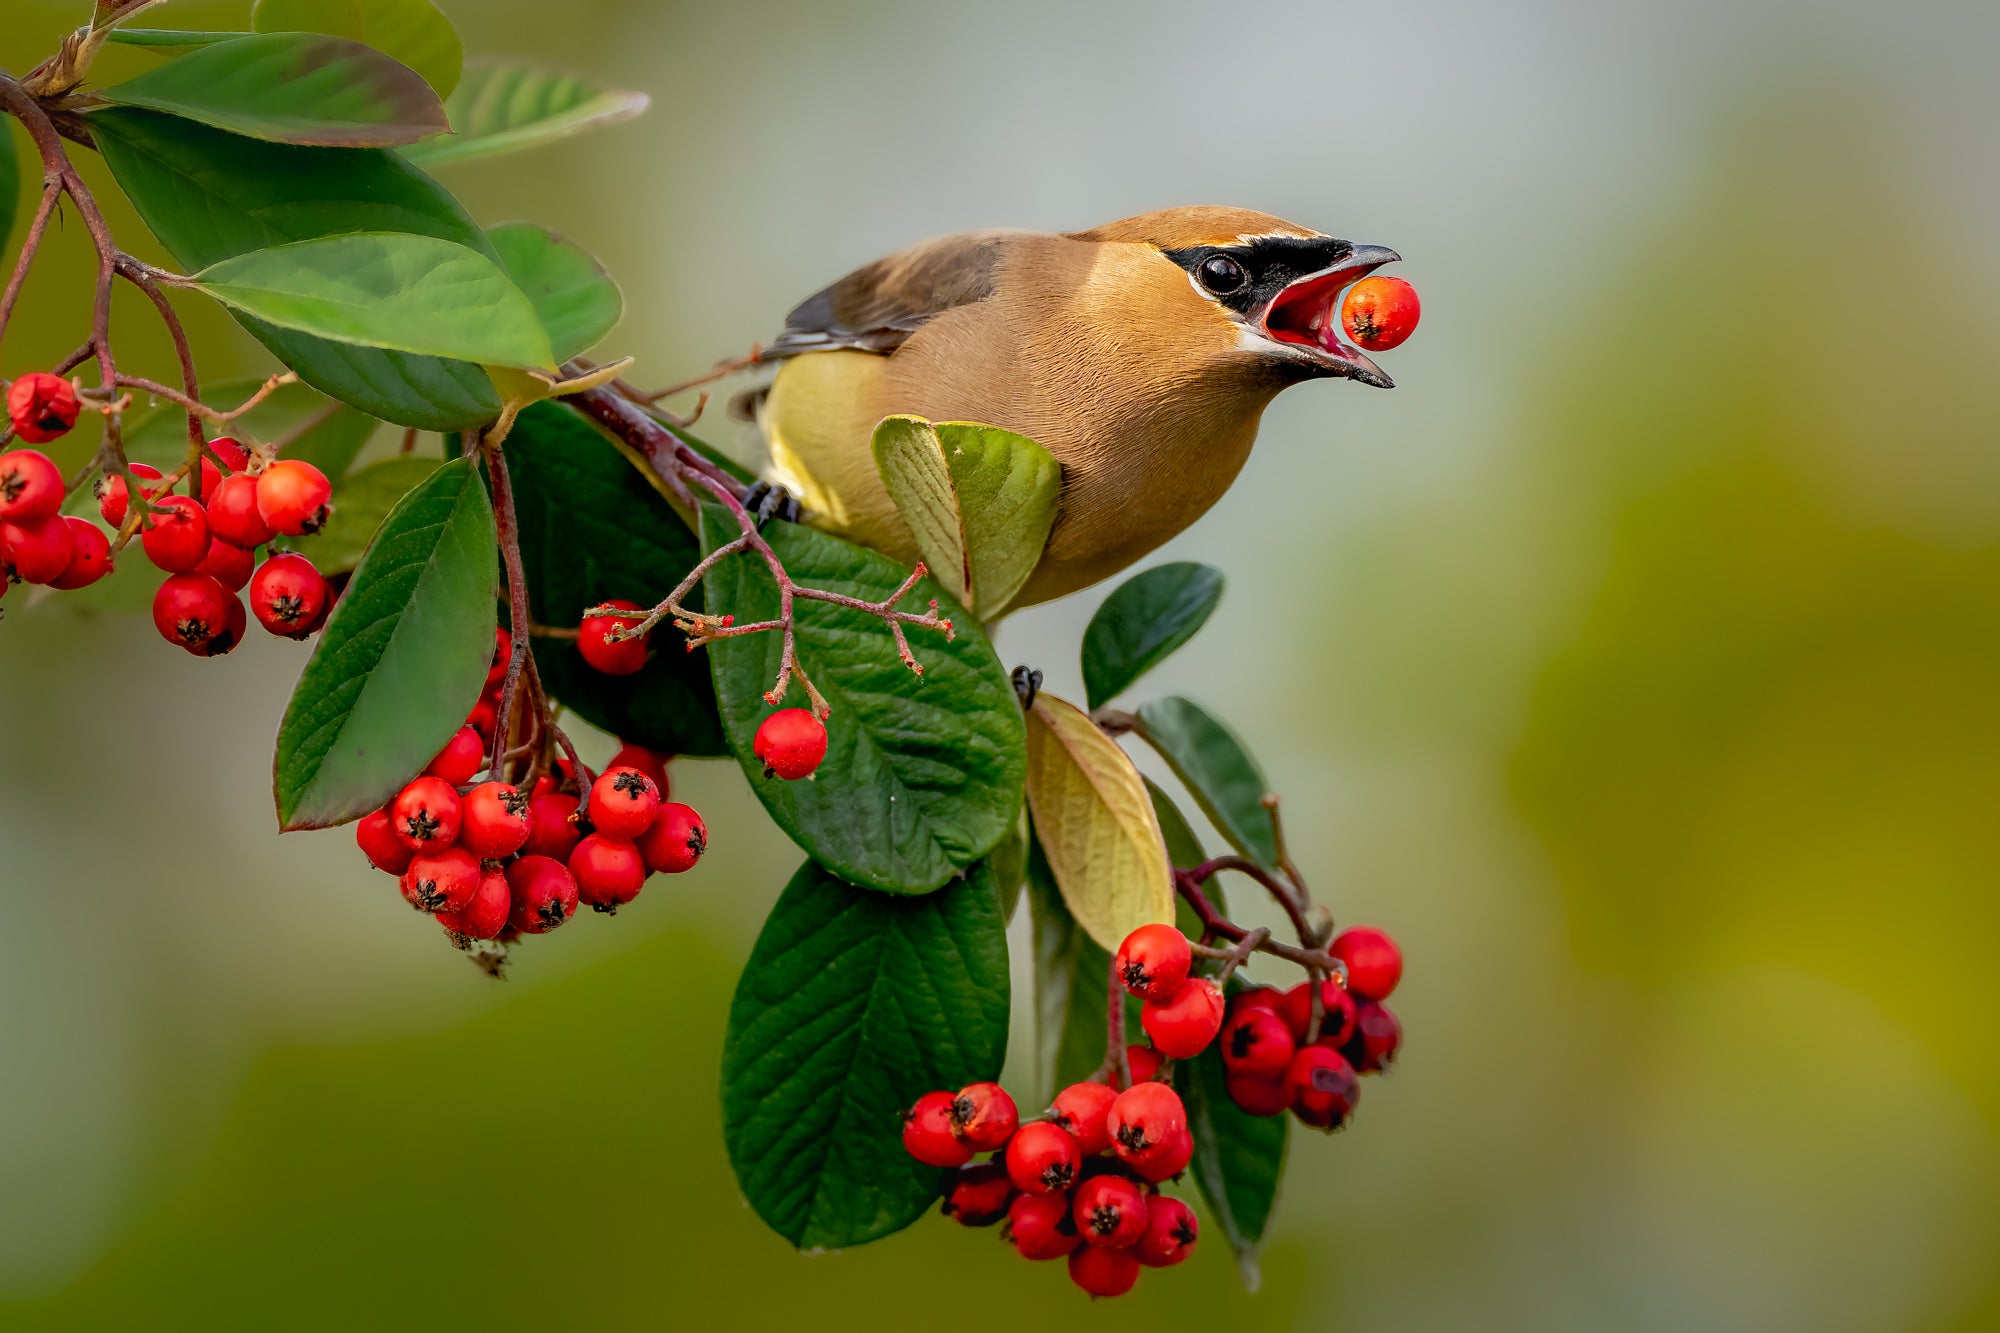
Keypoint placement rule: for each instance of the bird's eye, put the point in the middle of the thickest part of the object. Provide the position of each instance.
(1221, 274)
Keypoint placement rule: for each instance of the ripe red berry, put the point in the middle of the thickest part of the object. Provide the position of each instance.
(233, 514)
(1183, 1024)
(43, 406)
(984, 1116)
(791, 742)
(483, 716)
(551, 831)
(608, 872)
(1144, 1062)
(462, 756)
(978, 1196)
(492, 820)
(503, 653)
(292, 497)
(1258, 1096)
(622, 803)
(1257, 1043)
(675, 842)
(444, 880)
(175, 536)
(1380, 313)
(235, 624)
(1081, 1109)
(1165, 1161)
(927, 1132)
(228, 565)
(1153, 961)
(376, 836)
(544, 895)
(191, 609)
(1377, 1037)
(1145, 1118)
(623, 658)
(1323, 1087)
(426, 815)
(652, 764)
(31, 486)
(1042, 1158)
(1103, 1272)
(1257, 997)
(1041, 1226)
(89, 555)
(486, 915)
(288, 595)
(113, 502)
(234, 458)
(1171, 1231)
(1110, 1211)
(1336, 1012)
(36, 552)
(1374, 963)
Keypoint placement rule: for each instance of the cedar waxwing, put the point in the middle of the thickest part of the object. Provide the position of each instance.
(1141, 354)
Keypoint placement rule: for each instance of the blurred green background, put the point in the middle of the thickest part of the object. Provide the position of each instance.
(1634, 662)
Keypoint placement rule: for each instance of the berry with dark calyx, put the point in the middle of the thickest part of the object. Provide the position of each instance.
(1380, 313)
(376, 836)
(1041, 1226)
(544, 895)
(37, 552)
(492, 820)
(113, 501)
(623, 658)
(984, 1116)
(426, 815)
(608, 872)
(675, 842)
(1144, 1062)
(1171, 1231)
(791, 742)
(1258, 1096)
(551, 831)
(978, 1196)
(927, 1132)
(649, 762)
(1153, 962)
(1165, 1161)
(1258, 1043)
(89, 555)
(486, 915)
(1110, 1211)
(31, 486)
(288, 595)
(1377, 1037)
(292, 497)
(1081, 1109)
(1185, 1023)
(622, 803)
(175, 535)
(1337, 1010)
(1103, 1272)
(228, 564)
(42, 406)
(191, 609)
(1042, 1158)
(1144, 1118)
(441, 881)
(233, 515)
(235, 626)
(1374, 963)
(462, 756)
(1323, 1087)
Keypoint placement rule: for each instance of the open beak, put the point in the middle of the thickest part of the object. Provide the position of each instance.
(1305, 317)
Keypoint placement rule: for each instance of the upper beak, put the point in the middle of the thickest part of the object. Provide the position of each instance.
(1305, 317)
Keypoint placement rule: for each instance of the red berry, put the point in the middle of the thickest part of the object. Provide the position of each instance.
(1257, 1043)
(503, 653)
(233, 514)
(1110, 1211)
(462, 756)
(292, 497)
(113, 503)
(1258, 1096)
(978, 1196)
(1379, 313)
(1323, 1087)
(288, 596)
(551, 831)
(653, 765)
(927, 1132)
(492, 821)
(426, 815)
(486, 915)
(623, 658)
(1257, 997)
(484, 715)
(1185, 1023)
(1336, 1012)
(1153, 961)
(791, 742)
(984, 1116)
(1145, 1063)
(1145, 1119)
(1377, 1037)
(36, 552)
(1081, 1108)
(675, 842)
(376, 836)
(235, 624)
(43, 407)
(442, 881)
(544, 895)
(1042, 1158)
(191, 609)
(228, 565)
(31, 486)
(1041, 1226)
(1103, 1272)
(1166, 1161)
(622, 803)
(1171, 1231)
(1374, 963)
(175, 536)
(89, 555)
(233, 457)
(608, 873)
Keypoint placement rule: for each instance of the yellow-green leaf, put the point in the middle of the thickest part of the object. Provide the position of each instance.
(505, 106)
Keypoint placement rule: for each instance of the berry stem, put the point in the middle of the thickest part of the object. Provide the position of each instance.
(1115, 1058)
(507, 526)
(1188, 883)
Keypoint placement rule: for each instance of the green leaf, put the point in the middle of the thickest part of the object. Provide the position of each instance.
(391, 290)
(10, 185)
(1184, 850)
(1072, 988)
(505, 105)
(293, 87)
(413, 31)
(402, 660)
(1142, 622)
(1239, 1158)
(313, 428)
(364, 501)
(170, 40)
(1007, 864)
(209, 196)
(592, 530)
(922, 774)
(1217, 771)
(577, 301)
(853, 1005)
(979, 500)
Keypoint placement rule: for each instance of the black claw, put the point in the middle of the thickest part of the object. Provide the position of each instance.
(768, 501)
(1027, 684)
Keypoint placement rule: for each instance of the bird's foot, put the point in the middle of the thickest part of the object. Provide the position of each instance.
(768, 500)
(1027, 684)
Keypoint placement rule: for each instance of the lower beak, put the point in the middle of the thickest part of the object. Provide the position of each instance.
(1304, 318)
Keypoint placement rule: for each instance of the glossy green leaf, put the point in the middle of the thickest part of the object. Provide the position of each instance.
(170, 40)
(402, 659)
(1072, 988)
(593, 530)
(1184, 852)
(208, 196)
(922, 774)
(1217, 771)
(1007, 865)
(364, 500)
(10, 184)
(310, 426)
(413, 31)
(391, 290)
(1238, 1160)
(1144, 620)
(576, 300)
(293, 87)
(853, 1005)
(507, 105)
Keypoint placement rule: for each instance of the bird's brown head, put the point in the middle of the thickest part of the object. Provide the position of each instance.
(1269, 285)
